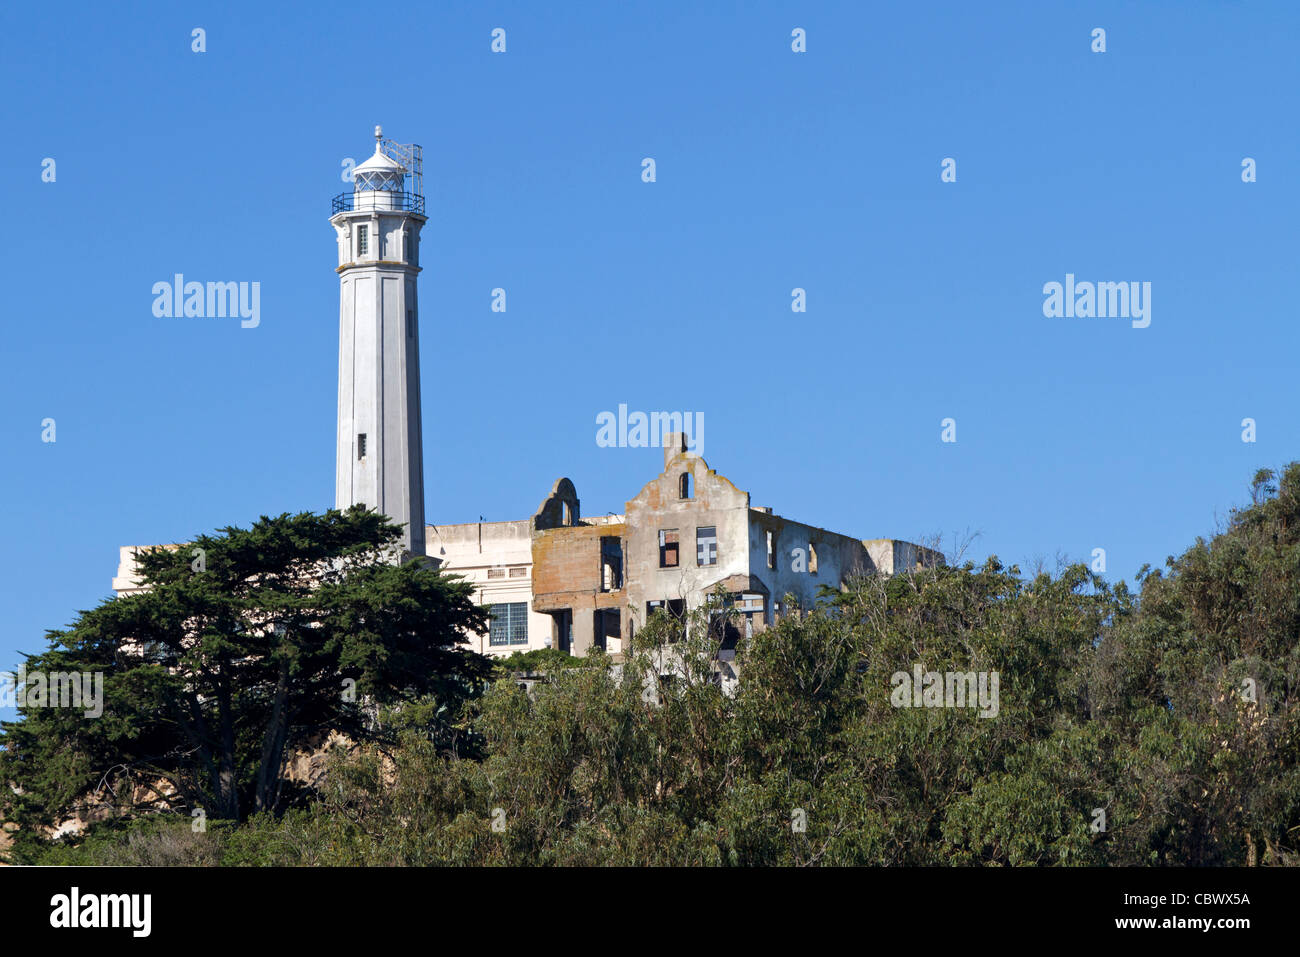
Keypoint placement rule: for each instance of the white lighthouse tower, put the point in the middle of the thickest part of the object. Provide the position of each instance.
(380, 456)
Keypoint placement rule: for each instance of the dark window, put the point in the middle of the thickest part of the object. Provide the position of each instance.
(361, 445)
(605, 625)
(611, 563)
(509, 624)
(563, 628)
(668, 548)
(725, 628)
(685, 485)
(675, 608)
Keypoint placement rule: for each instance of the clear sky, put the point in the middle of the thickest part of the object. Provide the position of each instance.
(775, 170)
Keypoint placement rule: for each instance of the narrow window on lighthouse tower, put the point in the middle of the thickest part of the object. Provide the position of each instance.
(410, 323)
(361, 445)
(363, 237)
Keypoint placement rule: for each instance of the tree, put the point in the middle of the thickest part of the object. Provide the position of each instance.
(1156, 728)
(245, 644)
(1202, 684)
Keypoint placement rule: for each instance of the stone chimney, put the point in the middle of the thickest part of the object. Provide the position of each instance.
(674, 443)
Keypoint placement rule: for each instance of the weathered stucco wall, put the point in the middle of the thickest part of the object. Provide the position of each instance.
(838, 558)
(660, 506)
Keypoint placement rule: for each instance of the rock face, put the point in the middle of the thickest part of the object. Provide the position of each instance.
(102, 804)
(305, 765)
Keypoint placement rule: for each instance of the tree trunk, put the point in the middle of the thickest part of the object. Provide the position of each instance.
(228, 779)
(268, 772)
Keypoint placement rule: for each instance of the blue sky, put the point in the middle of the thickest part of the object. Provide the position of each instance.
(775, 170)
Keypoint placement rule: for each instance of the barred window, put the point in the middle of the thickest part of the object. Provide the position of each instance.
(706, 545)
(509, 625)
(363, 240)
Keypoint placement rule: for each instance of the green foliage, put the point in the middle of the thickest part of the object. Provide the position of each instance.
(537, 660)
(246, 643)
(1158, 728)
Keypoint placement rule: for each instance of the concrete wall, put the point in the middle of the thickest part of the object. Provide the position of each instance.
(839, 558)
(892, 556)
(476, 549)
(568, 575)
(659, 505)
(127, 579)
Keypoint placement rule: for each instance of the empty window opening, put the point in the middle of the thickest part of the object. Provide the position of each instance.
(562, 630)
(361, 446)
(812, 559)
(724, 626)
(568, 514)
(685, 485)
(665, 685)
(675, 609)
(668, 548)
(611, 563)
(677, 612)
(606, 625)
(771, 551)
(706, 545)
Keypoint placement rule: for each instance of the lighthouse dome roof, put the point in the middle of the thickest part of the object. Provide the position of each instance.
(380, 163)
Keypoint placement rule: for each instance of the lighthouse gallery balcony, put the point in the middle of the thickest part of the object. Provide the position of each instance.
(378, 199)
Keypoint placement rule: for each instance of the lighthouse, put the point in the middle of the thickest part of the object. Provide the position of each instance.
(380, 458)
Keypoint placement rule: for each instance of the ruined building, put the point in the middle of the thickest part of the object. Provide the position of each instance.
(561, 581)
(558, 580)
